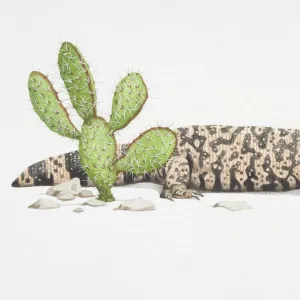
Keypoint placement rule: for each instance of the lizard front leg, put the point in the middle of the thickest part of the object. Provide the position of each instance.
(177, 179)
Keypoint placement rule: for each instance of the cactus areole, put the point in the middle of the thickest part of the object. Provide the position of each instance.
(97, 144)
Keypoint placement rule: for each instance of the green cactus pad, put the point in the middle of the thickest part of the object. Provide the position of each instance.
(78, 80)
(129, 97)
(48, 107)
(149, 152)
(97, 149)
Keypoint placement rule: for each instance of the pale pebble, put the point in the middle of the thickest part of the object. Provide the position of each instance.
(94, 202)
(43, 203)
(65, 196)
(78, 210)
(137, 204)
(233, 205)
(85, 194)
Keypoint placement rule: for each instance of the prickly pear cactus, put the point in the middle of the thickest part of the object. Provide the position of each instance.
(97, 144)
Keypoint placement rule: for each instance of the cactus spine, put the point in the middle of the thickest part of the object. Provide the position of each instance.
(97, 144)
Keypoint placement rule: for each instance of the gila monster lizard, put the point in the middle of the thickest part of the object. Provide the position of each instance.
(207, 158)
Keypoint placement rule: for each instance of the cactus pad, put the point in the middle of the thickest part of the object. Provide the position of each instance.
(78, 80)
(149, 152)
(129, 97)
(48, 107)
(97, 149)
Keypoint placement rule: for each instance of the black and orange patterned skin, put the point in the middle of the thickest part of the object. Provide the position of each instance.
(211, 158)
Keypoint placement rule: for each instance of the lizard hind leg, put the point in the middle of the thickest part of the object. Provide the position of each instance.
(177, 180)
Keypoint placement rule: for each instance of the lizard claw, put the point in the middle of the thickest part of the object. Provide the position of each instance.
(197, 193)
(196, 196)
(168, 195)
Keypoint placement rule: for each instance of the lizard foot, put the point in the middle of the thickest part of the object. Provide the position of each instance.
(180, 192)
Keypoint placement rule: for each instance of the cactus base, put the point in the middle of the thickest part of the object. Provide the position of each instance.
(105, 194)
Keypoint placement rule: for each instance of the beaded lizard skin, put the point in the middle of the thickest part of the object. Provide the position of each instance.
(207, 158)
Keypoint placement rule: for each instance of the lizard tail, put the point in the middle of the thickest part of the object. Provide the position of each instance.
(53, 170)
(58, 169)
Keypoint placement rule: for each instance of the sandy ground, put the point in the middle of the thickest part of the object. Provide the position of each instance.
(182, 250)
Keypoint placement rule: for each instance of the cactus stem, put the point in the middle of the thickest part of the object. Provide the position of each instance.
(87, 155)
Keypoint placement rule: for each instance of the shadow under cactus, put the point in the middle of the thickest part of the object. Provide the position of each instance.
(97, 143)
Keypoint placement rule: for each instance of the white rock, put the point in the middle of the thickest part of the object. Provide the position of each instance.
(65, 196)
(72, 186)
(44, 204)
(50, 192)
(78, 210)
(233, 205)
(94, 202)
(137, 204)
(85, 194)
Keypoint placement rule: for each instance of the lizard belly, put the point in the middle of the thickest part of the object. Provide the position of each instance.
(228, 158)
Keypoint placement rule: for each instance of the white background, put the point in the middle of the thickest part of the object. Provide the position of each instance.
(205, 62)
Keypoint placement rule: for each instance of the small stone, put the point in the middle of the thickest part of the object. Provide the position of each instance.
(85, 194)
(43, 203)
(137, 204)
(233, 205)
(72, 186)
(94, 202)
(65, 196)
(51, 192)
(78, 210)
